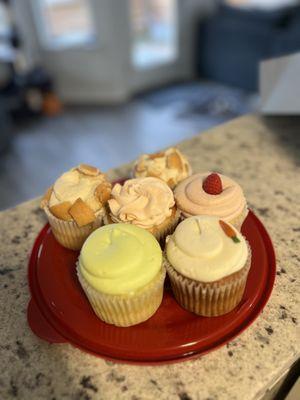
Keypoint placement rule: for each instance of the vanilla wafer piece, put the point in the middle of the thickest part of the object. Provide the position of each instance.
(174, 161)
(88, 170)
(82, 213)
(102, 192)
(61, 210)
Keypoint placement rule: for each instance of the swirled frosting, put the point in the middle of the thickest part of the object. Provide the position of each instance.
(145, 202)
(191, 199)
(74, 184)
(171, 166)
(199, 249)
(120, 259)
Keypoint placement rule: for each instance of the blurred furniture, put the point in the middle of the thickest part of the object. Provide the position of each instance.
(280, 86)
(25, 91)
(231, 43)
(5, 126)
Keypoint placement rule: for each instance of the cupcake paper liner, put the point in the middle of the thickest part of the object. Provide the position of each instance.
(209, 299)
(126, 310)
(166, 228)
(68, 233)
(239, 220)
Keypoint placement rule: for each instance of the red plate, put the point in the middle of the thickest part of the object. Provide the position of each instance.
(59, 311)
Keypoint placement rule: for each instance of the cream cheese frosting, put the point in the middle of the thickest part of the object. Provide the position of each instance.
(145, 202)
(191, 199)
(73, 185)
(171, 166)
(120, 259)
(200, 250)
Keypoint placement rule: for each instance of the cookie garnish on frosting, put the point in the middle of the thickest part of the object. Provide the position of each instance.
(79, 194)
(170, 165)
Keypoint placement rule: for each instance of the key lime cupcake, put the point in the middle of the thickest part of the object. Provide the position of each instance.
(212, 194)
(170, 165)
(208, 261)
(145, 202)
(75, 204)
(120, 270)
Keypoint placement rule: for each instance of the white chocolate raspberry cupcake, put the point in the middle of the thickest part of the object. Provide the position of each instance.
(212, 194)
(170, 165)
(75, 204)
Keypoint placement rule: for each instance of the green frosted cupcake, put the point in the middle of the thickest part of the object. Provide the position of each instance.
(120, 270)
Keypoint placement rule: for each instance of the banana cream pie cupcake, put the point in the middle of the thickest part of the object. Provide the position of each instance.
(170, 165)
(208, 261)
(75, 204)
(120, 270)
(144, 202)
(212, 194)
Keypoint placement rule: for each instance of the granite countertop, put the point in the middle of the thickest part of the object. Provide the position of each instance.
(263, 155)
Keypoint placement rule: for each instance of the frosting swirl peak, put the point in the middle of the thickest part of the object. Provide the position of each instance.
(145, 202)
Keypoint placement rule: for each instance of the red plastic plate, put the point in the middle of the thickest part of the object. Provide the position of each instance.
(59, 311)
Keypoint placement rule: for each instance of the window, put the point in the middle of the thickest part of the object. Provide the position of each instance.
(154, 32)
(64, 23)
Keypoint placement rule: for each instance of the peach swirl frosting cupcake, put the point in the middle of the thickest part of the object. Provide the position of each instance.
(212, 194)
(75, 204)
(208, 261)
(145, 202)
(170, 165)
(120, 270)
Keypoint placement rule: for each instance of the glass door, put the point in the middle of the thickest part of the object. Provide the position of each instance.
(105, 50)
(157, 54)
(83, 44)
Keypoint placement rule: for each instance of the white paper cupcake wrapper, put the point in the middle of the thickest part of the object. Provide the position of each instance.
(126, 310)
(68, 233)
(239, 220)
(209, 299)
(162, 233)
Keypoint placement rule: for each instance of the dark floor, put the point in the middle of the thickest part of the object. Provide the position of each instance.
(107, 137)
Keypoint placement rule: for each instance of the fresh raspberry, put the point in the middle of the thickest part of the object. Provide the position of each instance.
(212, 184)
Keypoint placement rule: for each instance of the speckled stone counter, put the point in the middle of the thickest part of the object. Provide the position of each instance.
(264, 156)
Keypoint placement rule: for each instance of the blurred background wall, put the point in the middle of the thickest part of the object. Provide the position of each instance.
(102, 81)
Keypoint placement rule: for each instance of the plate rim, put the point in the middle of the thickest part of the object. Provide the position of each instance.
(165, 359)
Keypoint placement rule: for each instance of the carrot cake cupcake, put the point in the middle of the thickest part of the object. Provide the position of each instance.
(212, 194)
(170, 165)
(75, 204)
(144, 202)
(120, 270)
(208, 261)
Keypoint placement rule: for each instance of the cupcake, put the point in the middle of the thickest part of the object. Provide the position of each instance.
(171, 166)
(144, 202)
(120, 270)
(212, 194)
(208, 261)
(75, 205)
